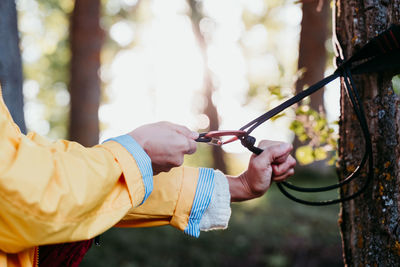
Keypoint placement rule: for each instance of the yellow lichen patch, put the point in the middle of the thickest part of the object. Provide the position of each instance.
(350, 168)
(356, 187)
(360, 242)
(383, 221)
(354, 39)
(357, 213)
(380, 189)
(387, 176)
(397, 247)
(351, 145)
(387, 164)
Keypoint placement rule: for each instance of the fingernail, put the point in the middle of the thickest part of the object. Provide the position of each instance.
(194, 135)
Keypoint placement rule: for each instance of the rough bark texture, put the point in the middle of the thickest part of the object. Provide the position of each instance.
(210, 109)
(312, 51)
(86, 42)
(370, 224)
(10, 62)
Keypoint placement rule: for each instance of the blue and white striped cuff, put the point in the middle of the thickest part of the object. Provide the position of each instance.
(202, 199)
(143, 161)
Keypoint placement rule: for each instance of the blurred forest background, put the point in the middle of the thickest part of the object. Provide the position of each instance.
(95, 69)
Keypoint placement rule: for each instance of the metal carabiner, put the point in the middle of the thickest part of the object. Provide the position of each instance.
(215, 137)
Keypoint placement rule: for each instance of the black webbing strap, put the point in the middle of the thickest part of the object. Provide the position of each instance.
(381, 53)
(386, 42)
(355, 102)
(295, 99)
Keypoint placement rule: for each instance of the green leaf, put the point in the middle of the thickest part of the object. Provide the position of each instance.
(277, 116)
(320, 153)
(396, 84)
(304, 155)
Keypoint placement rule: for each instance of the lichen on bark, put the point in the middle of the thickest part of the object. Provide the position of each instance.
(370, 224)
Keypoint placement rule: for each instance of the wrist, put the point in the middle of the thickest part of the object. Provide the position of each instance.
(240, 189)
(140, 139)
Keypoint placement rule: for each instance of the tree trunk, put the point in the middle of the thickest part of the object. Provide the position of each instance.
(312, 51)
(369, 224)
(10, 62)
(86, 42)
(312, 59)
(210, 110)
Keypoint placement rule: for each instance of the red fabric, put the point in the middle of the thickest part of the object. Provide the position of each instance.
(67, 254)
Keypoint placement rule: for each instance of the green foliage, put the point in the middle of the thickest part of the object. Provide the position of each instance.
(396, 84)
(276, 81)
(49, 69)
(311, 127)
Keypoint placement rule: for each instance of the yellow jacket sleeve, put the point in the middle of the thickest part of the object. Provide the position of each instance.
(180, 198)
(53, 192)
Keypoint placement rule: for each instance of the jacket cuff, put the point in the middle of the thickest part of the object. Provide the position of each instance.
(218, 212)
(202, 199)
(142, 160)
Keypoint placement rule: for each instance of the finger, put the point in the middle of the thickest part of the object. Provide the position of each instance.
(284, 176)
(176, 161)
(283, 158)
(184, 131)
(160, 168)
(265, 145)
(283, 153)
(192, 147)
(279, 169)
(277, 152)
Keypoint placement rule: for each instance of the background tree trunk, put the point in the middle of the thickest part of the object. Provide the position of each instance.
(369, 224)
(86, 42)
(10, 62)
(312, 57)
(312, 51)
(210, 109)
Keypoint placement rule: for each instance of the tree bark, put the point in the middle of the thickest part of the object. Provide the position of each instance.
(369, 224)
(10, 62)
(86, 43)
(210, 109)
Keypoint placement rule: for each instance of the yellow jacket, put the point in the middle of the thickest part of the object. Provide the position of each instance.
(55, 192)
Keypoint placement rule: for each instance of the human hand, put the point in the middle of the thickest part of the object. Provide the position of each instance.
(273, 164)
(165, 143)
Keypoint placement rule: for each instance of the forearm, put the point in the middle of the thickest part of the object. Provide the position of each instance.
(63, 192)
(186, 198)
